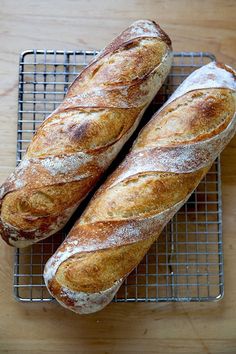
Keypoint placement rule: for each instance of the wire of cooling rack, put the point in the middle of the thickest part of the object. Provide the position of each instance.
(186, 263)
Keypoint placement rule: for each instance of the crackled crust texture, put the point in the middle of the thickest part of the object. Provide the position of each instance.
(168, 160)
(79, 140)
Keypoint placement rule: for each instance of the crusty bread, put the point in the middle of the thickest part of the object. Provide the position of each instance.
(79, 140)
(168, 160)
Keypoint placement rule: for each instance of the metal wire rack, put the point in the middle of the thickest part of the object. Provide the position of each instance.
(186, 263)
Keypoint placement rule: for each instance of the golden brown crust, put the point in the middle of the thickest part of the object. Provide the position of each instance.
(105, 267)
(209, 112)
(156, 193)
(78, 141)
(144, 194)
(168, 160)
(77, 131)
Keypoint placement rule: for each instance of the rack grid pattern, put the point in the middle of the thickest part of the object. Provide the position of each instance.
(186, 263)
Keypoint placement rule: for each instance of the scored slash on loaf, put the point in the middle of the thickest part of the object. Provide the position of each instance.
(78, 141)
(168, 160)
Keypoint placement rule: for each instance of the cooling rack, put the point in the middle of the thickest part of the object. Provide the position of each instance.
(186, 263)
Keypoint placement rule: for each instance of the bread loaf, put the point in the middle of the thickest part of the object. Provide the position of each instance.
(79, 140)
(168, 160)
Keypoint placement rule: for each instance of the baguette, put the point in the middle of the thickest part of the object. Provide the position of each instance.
(168, 160)
(78, 141)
